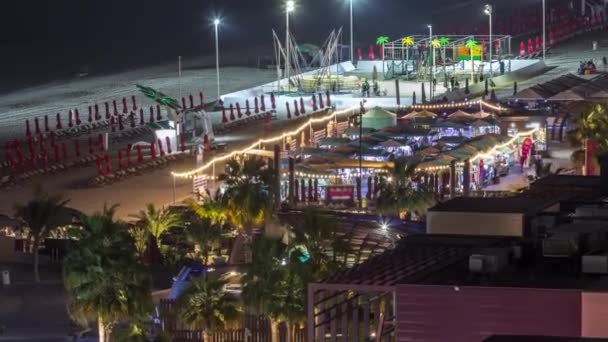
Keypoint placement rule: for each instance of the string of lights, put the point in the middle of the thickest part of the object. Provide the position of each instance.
(255, 145)
(449, 105)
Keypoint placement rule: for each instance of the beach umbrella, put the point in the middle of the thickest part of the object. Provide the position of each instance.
(141, 117)
(140, 155)
(128, 150)
(522, 49)
(359, 54)
(224, 119)
(64, 150)
(70, 124)
(182, 142)
(371, 53)
(232, 112)
(288, 110)
(201, 98)
(314, 103)
(115, 107)
(537, 43)
(77, 114)
(256, 106)
(57, 155)
(191, 98)
(90, 145)
(151, 114)
(158, 113)
(97, 116)
(90, 119)
(238, 110)
(57, 125)
(296, 111)
(121, 120)
(262, 103)
(247, 108)
(100, 143)
(273, 101)
(113, 123)
(132, 117)
(302, 109)
(321, 105)
(120, 165)
(168, 142)
(328, 98)
(160, 148)
(37, 124)
(134, 102)
(153, 151)
(183, 102)
(125, 109)
(530, 46)
(77, 148)
(107, 110)
(46, 123)
(28, 130)
(99, 165)
(108, 163)
(206, 142)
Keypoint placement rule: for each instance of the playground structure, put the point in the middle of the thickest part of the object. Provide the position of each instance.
(418, 57)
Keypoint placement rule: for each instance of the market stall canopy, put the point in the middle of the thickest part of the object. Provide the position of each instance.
(549, 89)
(461, 117)
(594, 88)
(422, 114)
(378, 118)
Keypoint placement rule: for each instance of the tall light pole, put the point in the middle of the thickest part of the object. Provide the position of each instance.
(289, 7)
(216, 23)
(352, 47)
(488, 11)
(429, 46)
(544, 33)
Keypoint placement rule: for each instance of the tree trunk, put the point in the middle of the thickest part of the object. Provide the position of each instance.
(287, 331)
(36, 243)
(101, 329)
(274, 331)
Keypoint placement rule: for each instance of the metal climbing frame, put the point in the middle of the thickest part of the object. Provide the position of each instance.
(410, 55)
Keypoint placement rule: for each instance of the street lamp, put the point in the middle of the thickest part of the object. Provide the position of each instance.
(289, 7)
(488, 10)
(216, 23)
(352, 47)
(544, 33)
(431, 75)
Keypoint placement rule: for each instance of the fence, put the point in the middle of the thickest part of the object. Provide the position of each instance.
(252, 328)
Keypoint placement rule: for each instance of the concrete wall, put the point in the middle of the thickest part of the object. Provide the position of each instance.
(471, 314)
(503, 224)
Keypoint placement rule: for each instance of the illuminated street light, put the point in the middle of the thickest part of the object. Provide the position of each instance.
(488, 11)
(216, 23)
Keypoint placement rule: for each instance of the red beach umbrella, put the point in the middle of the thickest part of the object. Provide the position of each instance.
(113, 123)
(247, 108)
(262, 103)
(125, 109)
(371, 53)
(191, 98)
(302, 109)
(359, 54)
(168, 142)
(153, 151)
(128, 150)
(70, 124)
(182, 142)
(99, 165)
(288, 110)
(151, 114)
(108, 163)
(257, 106)
(141, 117)
(238, 110)
(140, 155)
(183, 102)
(296, 111)
(158, 115)
(232, 112)
(160, 148)
(46, 123)
(37, 124)
(224, 119)
(134, 102)
(530, 46)
(77, 114)
(101, 143)
(321, 105)
(328, 98)
(201, 98)
(115, 107)
(272, 101)
(522, 49)
(314, 103)
(121, 120)
(206, 142)
(380, 52)
(90, 119)
(132, 117)
(537, 43)
(57, 125)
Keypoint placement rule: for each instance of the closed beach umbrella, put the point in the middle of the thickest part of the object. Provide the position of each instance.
(247, 108)
(140, 155)
(191, 98)
(262, 103)
(256, 106)
(238, 110)
(273, 101)
(125, 109)
(113, 123)
(160, 148)
(314, 103)
(128, 150)
(158, 115)
(151, 114)
(100, 142)
(57, 125)
(90, 119)
(296, 111)
(77, 114)
(120, 119)
(321, 105)
(108, 163)
(232, 118)
(141, 117)
(201, 98)
(70, 124)
(224, 119)
(302, 109)
(522, 49)
(182, 142)
(288, 110)
(99, 165)
(153, 151)
(183, 102)
(168, 141)
(115, 107)
(134, 102)
(46, 123)
(328, 98)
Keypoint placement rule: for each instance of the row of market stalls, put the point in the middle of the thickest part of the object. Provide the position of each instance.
(328, 168)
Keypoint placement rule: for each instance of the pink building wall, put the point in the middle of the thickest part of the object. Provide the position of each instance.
(471, 314)
(594, 315)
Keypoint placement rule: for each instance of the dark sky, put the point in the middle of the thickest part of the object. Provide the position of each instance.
(47, 38)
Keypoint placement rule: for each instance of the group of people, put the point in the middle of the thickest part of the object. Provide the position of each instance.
(365, 87)
(587, 68)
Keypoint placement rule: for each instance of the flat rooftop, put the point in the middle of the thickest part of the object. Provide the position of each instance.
(521, 338)
(493, 205)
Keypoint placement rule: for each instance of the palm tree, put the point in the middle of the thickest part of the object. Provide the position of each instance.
(42, 214)
(157, 221)
(103, 279)
(205, 235)
(213, 208)
(381, 40)
(471, 44)
(591, 125)
(205, 303)
(407, 41)
(544, 169)
(443, 41)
